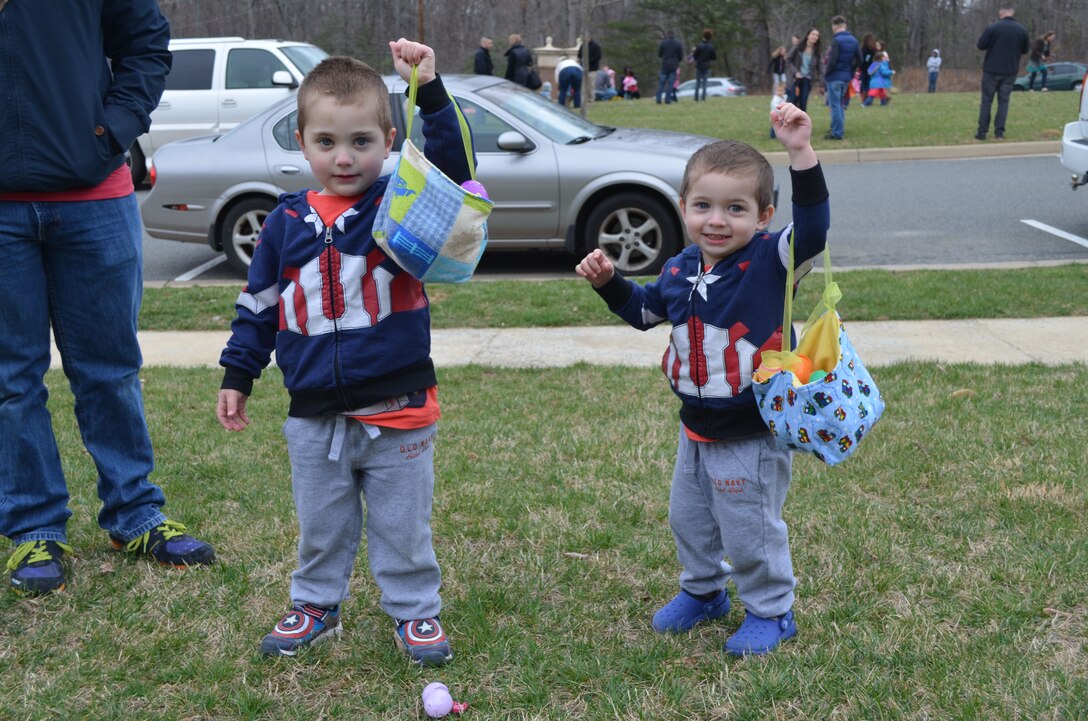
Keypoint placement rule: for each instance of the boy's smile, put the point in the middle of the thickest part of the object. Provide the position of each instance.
(344, 145)
(721, 214)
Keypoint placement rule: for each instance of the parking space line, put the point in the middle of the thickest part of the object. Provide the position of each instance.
(1056, 231)
(201, 268)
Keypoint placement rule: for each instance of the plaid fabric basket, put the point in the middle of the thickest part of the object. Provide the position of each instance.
(431, 226)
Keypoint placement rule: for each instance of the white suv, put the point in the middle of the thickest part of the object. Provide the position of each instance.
(1075, 142)
(216, 83)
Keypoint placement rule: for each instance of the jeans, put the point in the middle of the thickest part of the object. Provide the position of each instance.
(570, 79)
(835, 91)
(701, 77)
(1000, 85)
(1031, 78)
(665, 82)
(804, 87)
(933, 82)
(75, 266)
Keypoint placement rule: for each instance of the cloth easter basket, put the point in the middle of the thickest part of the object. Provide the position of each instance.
(830, 416)
(431, 226)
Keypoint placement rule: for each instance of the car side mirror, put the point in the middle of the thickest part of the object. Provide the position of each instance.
(282, 78)
(515, 142)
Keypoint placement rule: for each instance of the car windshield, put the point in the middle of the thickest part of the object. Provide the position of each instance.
(533, 109)
(305, 57)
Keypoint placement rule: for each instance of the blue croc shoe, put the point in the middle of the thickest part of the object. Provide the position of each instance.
(685, 611)
(758, 635)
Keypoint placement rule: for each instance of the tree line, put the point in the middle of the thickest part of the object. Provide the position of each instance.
(745, 31)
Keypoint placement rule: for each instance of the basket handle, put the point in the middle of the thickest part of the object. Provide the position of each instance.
(466, 134)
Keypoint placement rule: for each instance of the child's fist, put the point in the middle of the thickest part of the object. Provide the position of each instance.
(407, 53)
(596, 268)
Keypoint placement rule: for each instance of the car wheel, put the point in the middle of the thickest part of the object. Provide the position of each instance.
(137, 165)
(239, 230)
(636, 231)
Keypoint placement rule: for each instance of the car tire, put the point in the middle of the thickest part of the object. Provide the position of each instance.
(239, 230)
(137, 165)
(637, 231)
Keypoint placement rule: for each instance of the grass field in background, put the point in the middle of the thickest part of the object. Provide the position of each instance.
(910, 120)
(941, 569)
(868, 295)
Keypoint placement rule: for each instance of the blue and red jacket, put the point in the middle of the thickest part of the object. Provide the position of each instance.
(725, 317)
(349, 327)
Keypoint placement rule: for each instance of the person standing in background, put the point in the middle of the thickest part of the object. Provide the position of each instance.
(1004, 42)
(671, 53)
(518, 61)
(482, 64)
(844, 57)
(933, 67)
(1039, 57)
(703, 55)
(804, 66)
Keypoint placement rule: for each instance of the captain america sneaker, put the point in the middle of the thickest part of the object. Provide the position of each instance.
(37, 567)
(424, 641)
(168, 544)
(302, 626)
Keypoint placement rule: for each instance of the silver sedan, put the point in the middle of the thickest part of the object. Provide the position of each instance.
(557, 180)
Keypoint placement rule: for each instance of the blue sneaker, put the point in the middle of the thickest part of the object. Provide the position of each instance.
(168, 544)
(685, 611)
(758, 635)
(37, 567)
(424, 641)
(300, 627)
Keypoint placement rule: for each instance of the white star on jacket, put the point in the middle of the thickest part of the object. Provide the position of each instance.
(701, 281)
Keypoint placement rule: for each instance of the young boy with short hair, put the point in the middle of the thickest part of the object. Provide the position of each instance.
(723, 296)
(351, 332)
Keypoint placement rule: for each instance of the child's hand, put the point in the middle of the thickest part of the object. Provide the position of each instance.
(407, 53)
(793, 128)
(596, 268)
(231, 410)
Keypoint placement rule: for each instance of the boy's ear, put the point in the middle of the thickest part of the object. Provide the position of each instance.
(301, 145)
(765, 217)
(389, 141)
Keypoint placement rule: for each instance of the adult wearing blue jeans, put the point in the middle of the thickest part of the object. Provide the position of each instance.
(671, 53)
(71, 242)
(844, 57)
(703, 55)
(569, 75)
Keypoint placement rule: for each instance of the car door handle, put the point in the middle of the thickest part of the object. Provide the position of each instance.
(164, 105)
(230, 103)
(288, 169)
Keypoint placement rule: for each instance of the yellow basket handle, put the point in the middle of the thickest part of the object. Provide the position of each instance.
(466, 134)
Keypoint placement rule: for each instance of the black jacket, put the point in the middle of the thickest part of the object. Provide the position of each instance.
(671, 53)
(704, 55)
(482, 64)
(518, 62)
(1004, 42)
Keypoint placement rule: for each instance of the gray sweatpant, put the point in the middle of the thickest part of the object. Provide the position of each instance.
(334, 459)
(726, 500)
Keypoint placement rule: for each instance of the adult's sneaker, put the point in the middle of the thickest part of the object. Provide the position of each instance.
(168, 544)
(302, 626)
(37, 567)
(424, 641)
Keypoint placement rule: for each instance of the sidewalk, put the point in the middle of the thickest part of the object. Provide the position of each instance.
(1048, 341)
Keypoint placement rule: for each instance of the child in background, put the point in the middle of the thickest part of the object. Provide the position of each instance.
(777, 99)
(880, 79)
(723, 298)
(351, 332)
(630, 85)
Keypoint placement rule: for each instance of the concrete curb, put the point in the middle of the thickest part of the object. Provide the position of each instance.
(974, 149)
(1006, 341)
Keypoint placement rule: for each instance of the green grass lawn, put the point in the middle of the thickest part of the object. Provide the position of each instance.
(910, 120)
(941, 569)
(868, 295)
